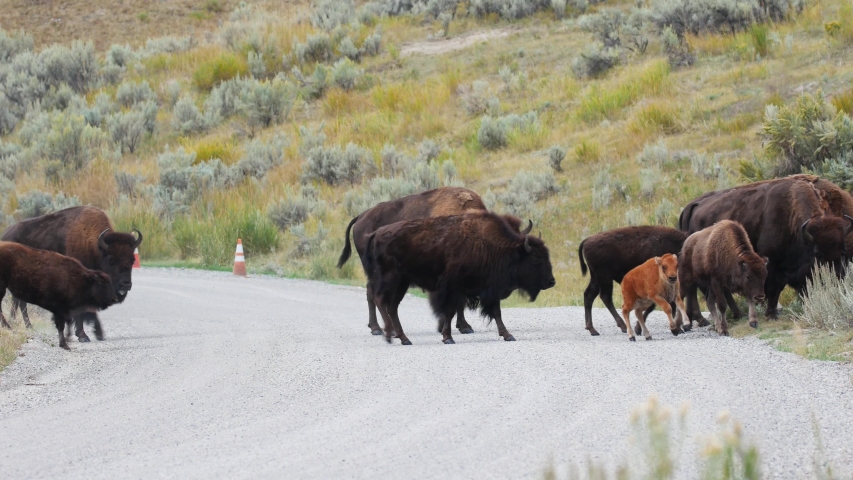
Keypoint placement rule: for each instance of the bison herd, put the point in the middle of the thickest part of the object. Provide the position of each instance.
(751, 240)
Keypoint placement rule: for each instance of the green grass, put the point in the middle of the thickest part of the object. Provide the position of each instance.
(223, 67)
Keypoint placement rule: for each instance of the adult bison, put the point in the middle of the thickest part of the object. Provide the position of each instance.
(786, 221)
(59, 284)
(432, 203)
(476, 254)
(838, 201)
(717, 259)
(86, 234)
(610, 255)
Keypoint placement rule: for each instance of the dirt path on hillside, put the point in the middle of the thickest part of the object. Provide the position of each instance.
(445, 45)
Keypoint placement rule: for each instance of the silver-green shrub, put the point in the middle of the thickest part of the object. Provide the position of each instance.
(266, 103)
(11, 46)
(525, 189)
(187, 119)
(120, 55)
(556, 155)
(595, 60)
(36, 203)
(345, 74)
(130, 93)
(828, 304)
(260, 157)
(295, 209)
(127, 129)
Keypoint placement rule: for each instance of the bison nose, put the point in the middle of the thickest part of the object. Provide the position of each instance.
(759, 298)
(551, 283)
(673, 279)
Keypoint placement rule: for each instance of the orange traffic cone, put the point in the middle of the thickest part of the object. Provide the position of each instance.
(239, 261)
(136, 258)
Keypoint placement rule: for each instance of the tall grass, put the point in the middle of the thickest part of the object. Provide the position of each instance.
(601, 102)
(223, 67)
(127, 215)
(828, 304)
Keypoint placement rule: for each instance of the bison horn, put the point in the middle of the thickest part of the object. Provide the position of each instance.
(528, 229)
(527, 243)
(850, 226)
(138, 238)
(102, 244)
(806, 234)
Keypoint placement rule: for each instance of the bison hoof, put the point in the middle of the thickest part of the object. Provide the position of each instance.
(703, 323)
(99, 335)
(388, 339)
(633, 339)
(686, 328)
(753, 324)
(448, 341)
(376, 331)
(83, 339)
(675, 331)
(406, 342)
(593, 332)
(65, 346)
(466, 330)
(509, 338)
(648, 338)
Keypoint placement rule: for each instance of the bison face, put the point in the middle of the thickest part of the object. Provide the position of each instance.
(825, 236)
(534, 272)
(751, 275)
(101, 290)
(668, 268)
(117, 259)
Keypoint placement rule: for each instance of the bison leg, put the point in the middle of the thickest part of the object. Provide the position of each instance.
(446, 331)
(642, 323)
(637, 329)
(717, 301)
(626, 312)
(392, 311)
(78, 328)
(99, 331)
(461, 324)
(737, 314)
(589, 296)
(607, 297)
(372, 324)
(773, 290)
(60, 321)
(495, 313)
(18, 304)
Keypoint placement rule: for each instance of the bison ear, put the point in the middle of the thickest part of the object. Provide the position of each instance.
(675, 257)
(657, 260)
(766, 260)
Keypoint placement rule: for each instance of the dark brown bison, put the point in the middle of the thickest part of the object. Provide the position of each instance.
(432, 203)
(86, 234)
(54, 282)
(717, 259)
(838, 201)
(610, 255)
(786, 220)
(477, 254)
(654, 282)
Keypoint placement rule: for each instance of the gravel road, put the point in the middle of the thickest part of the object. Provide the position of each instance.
(207, 375)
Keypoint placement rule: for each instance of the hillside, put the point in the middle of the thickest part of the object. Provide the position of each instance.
(267, 125)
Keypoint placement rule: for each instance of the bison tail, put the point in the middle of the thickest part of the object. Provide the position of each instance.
(580, 257)
(347, 245)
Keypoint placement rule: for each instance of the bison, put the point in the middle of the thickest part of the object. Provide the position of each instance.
(655, 282)
(59, 284)
(838, 201)
(86, 234)
(476, 254)
(610, 255)
(786, 221)
(432, 203)
(717, 259)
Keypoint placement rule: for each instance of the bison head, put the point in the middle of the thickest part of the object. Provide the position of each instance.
(534, 272)
(825, 235)
(749, 276)
(117, 258)
(667, 268)
(101, 292)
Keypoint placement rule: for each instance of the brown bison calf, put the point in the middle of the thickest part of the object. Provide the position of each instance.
(653, 282)
(721, 259)
(54, 282)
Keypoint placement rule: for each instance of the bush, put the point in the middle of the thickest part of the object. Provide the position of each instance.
(132, 93)
(394, 162)
(62, 98)
(828, 304)
(634, 216)
(127, 183)
(120, 55)
(266, 103)
(172, 91)
(595, 61)
(319, 48)
(335, 165)
(329, 14)
(127, 129)
(76, 66)
(349, 50)
(379, 190)
(11, 46)
(805, 134)
(525, 189)
(187, 119)
(305, 245)
(665, 213)
(37, 203)
(257, 67)
(617, 29)
(477, 100)
(182, 180)
(428, 151)
(224, 100)
(9, 153)
(556, 155)
(700, 16)
(344, 74)
(69, 144)
(260, 157)
(508, 9)
(675, 48)
(156, 46)
(492, 134)
(648, 179)
(216, 239)
(8, 119)
(293, 210)
(224, 67)
(656, 154)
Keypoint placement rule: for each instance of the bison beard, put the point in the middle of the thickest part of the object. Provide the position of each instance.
(786, 220)
(59, 284)
(85, 234)
(432, 203)
(455, 257)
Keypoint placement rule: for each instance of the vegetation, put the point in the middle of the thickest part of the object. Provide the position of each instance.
(286, 130)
